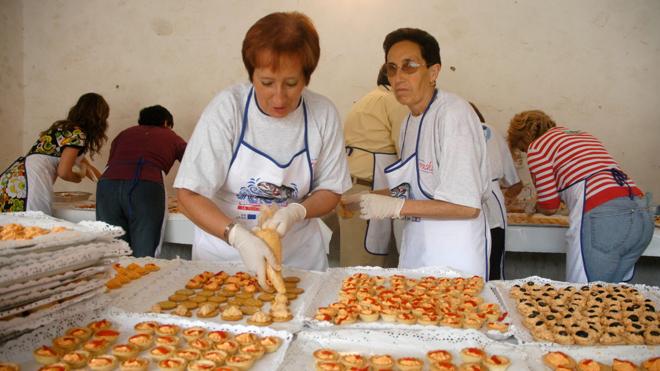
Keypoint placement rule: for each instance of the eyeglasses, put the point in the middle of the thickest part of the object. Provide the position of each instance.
(409, 67)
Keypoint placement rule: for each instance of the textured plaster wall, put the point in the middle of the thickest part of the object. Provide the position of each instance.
(11, 81)
(590, 64)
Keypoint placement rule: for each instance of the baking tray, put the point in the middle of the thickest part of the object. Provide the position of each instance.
(141, 297)
(20, 350)
(397, 343)
(83, 232)
(502, 289)
(332, 281)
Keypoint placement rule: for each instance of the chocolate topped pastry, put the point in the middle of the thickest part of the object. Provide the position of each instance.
(652, 336)
(611, 338)
(635, 337)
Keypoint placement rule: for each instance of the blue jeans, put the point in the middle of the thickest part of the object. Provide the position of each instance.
(141, 216)
(614, 235)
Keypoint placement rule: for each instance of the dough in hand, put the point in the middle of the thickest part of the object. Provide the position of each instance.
(272, 239)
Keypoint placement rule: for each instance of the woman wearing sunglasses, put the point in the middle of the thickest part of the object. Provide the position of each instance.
(267, 142)
(441, 181)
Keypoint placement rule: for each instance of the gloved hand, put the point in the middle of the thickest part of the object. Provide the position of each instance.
(530, 207)
(349, 203)
(285, 218)
(253, 251)
(374, 206)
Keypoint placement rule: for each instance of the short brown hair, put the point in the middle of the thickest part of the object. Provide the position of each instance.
(291, 34)
(526, 127)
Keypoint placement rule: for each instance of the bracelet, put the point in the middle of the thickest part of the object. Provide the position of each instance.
(228, 229)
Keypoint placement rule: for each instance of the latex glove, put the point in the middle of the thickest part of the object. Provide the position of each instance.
(253, 251)
(285, 218)
(530, 208)
(349, 204)
(373, 206)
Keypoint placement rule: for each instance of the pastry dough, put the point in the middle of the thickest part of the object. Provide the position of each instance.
(272, 239)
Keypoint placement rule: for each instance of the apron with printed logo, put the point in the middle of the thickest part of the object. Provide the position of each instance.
(460, 244)
(254, 179)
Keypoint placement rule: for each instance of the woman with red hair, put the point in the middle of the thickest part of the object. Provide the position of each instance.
(268, 142)
(611, 222)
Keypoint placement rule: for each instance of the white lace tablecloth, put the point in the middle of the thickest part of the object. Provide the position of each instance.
(603, 354)
(20, 350)
(395, 342)
(150, 290)
(502, 289)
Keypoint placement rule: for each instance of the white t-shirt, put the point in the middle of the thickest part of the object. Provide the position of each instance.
(452, 160)
(502, 172)
(209, 152)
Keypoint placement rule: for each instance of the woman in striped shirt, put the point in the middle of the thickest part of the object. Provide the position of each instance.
(611, 222)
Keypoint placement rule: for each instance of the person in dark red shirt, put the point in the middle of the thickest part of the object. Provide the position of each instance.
(130, 193)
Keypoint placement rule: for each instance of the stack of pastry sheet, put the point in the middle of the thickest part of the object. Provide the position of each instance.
(47, 265)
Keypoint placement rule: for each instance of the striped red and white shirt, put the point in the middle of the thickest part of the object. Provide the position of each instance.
(562, 157)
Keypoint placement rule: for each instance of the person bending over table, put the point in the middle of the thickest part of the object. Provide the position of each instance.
(130, 193)
(59, 152)
(442, 180)
(269, 142)
(611, 220)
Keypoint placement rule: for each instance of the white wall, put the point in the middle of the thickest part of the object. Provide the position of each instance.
(11, 81)
(590, 64)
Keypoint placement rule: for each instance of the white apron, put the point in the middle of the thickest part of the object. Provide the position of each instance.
(253, 180)
(574, 198)
(378, 234)
(458, 244)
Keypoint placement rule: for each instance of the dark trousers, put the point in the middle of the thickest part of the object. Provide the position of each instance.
(140, 214)
(496, 254)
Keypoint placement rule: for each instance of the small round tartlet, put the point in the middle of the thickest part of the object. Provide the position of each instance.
(496, 363)
(241, 361)
(125, 351)
(134, 364)
(410, 364)
(104, 362)
(46, 355)
(472, 355)
(76, 358)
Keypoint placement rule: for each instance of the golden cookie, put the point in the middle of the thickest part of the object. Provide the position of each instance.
(190, 304)
(167, 305)
(217, 299)
(178, 298)
(292, 279)
(265, 297)
(248, 309)
(206, 293)
(185, 292)
(197, 299)
(296, 290)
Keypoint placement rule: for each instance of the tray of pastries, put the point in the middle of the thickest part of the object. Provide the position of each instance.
(400, 349)
(224, 293)
(599, 358)
(584, 315)
(30, 231)
(368, 297)
(537, 220)
(126, 341)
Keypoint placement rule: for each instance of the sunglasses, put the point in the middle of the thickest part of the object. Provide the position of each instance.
(408, 67)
